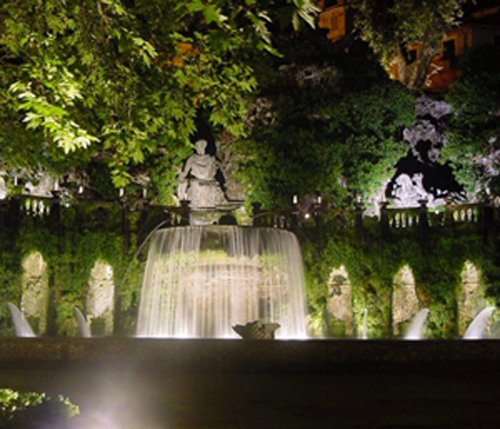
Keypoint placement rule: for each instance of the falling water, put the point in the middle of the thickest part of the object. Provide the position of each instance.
(200, 281)
(364, 336)
(476, 329)
(23, 328)
(83, 327)
(416, 329)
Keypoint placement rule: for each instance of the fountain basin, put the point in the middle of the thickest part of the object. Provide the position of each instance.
(264, 384)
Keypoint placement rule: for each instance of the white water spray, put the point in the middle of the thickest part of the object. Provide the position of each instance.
(416, 329)
(476, 329)
(200, 281)
(22, 326)
(83, 326)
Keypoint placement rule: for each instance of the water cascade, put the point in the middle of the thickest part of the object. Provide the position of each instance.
(83, 327)
(476, 329)
(416, 329)
(200, 281)
(22, 326)
(364, 336)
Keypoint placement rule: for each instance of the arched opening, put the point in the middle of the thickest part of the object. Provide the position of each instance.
(471, 300)
(35, 292)
(100, 303)
(404, 300)
(340, 303)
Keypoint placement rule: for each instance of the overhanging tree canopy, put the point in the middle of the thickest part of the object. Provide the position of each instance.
(392, 26)
(123, 81)
(474, 132)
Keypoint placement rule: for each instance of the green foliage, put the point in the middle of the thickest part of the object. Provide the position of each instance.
(123, 81)
(390, 27)
(30, 410)
(385, 24)
(10, 273)
(474, 133)
(372, 263)
(71, 247)
(317, 137)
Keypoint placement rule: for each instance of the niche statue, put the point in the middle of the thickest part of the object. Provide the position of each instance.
(197, 182)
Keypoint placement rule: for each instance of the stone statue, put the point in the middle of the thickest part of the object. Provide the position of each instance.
(197, 182)
(256, 330)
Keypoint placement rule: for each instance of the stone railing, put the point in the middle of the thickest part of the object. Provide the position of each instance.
(415, 216)
(292, 219)
(284, 219)
(464, 213)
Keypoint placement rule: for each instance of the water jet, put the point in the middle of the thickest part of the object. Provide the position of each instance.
(81, 320)
(416, 328)
(22, 326)
(476, 329)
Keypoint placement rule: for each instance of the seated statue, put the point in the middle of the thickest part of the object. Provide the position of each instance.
(197, 182)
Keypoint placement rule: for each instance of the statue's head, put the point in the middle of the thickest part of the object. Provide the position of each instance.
(201, 145)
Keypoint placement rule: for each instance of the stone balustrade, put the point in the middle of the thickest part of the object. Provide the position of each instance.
(390, 219)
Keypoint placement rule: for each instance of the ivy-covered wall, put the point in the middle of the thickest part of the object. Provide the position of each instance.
(372, 256)
(72, 239)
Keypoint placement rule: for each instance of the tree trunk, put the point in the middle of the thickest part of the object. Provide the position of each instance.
(414, 75)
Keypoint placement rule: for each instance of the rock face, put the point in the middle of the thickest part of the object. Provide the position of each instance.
(4, 189)
(472, 299)
(100, 299)
(35, 296)
(420, 175)
(256, 330)
(233, 189)
(404, 299)
(340, 301)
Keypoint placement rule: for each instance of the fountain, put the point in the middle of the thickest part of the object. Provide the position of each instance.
(83, 327)
(416, 328)
(22, 326)
(202, 280)
(476, 329)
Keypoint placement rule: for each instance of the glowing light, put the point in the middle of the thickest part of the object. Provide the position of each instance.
(201, 281)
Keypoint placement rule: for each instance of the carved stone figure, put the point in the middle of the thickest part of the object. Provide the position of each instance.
(197, 182)
(256, 330)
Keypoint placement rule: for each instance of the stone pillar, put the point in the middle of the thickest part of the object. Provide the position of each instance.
(256, 210)
(384, 219)
(185, 212)
(294, 215)
(13, 216)
(487, 224)
(55, 219)
(423, 223)
(448, 213)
